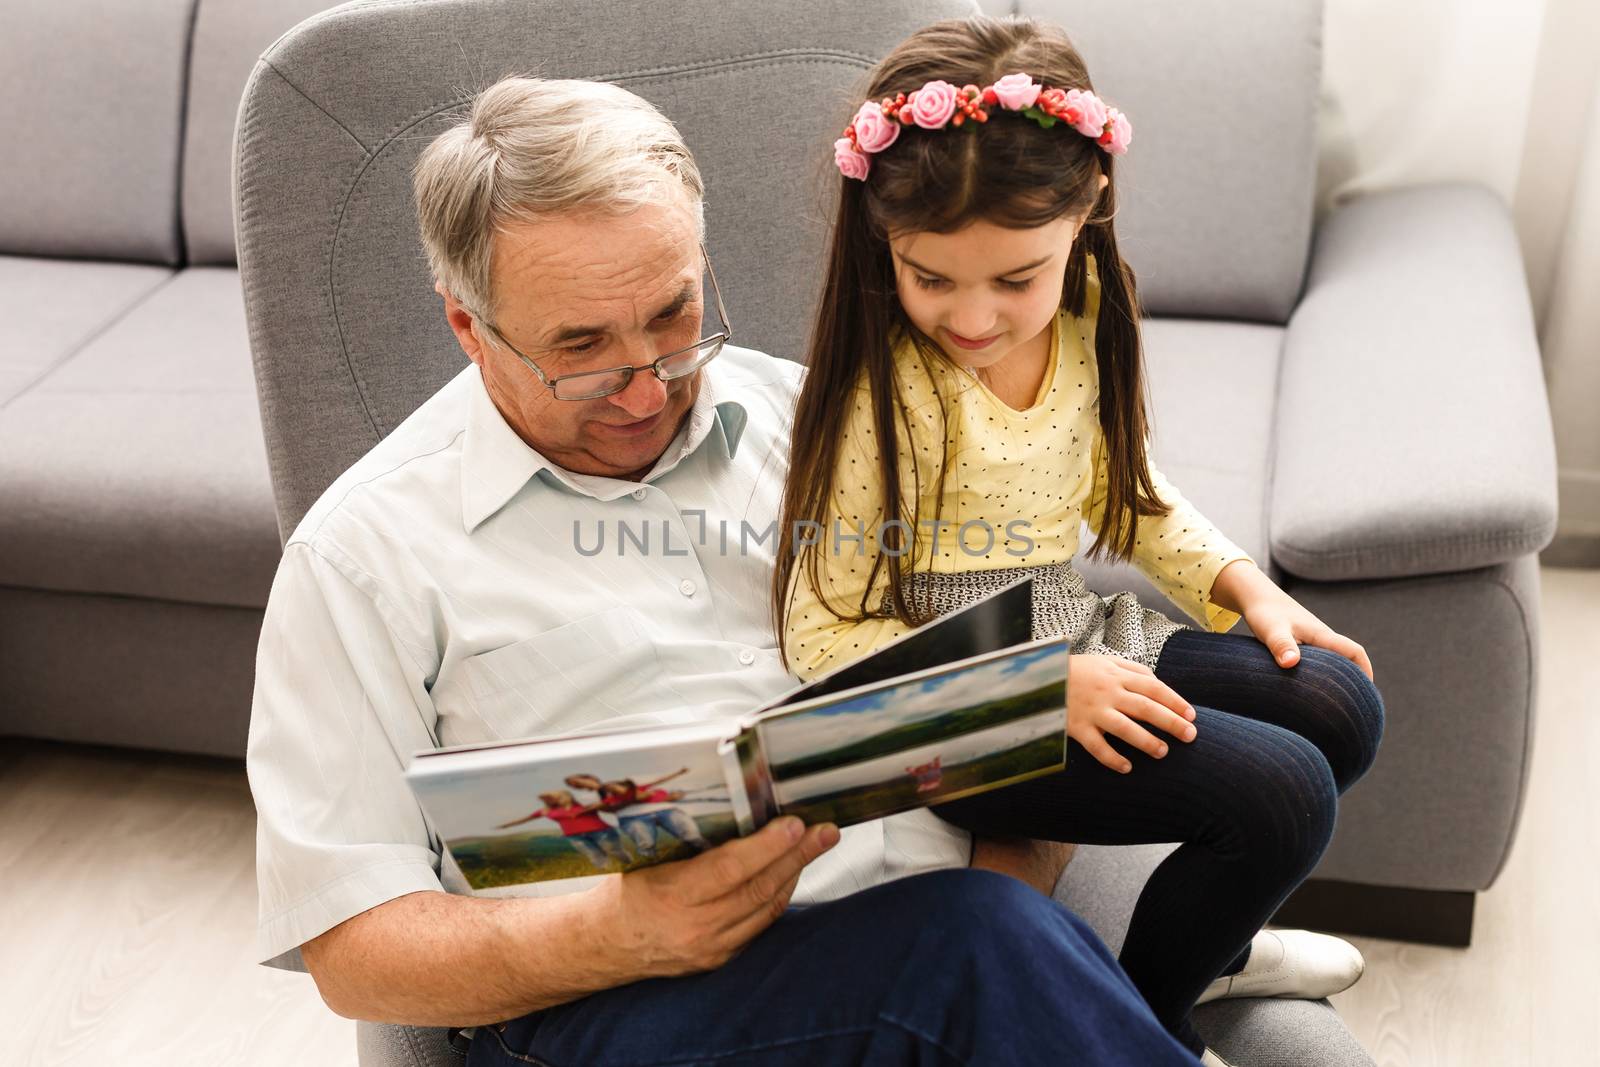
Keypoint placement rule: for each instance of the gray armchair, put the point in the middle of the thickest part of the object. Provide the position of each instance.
(1290, 407)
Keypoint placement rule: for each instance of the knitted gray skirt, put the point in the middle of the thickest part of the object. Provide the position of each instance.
(1063, 606)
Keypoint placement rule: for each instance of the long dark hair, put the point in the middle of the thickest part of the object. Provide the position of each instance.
(1019, 176)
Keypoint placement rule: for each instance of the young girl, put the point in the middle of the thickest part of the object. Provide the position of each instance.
(975, 392)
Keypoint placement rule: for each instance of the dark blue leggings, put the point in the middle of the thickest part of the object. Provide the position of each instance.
(1252, 799)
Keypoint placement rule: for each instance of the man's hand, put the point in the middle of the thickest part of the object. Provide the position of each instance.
(505, 957)
(1037, 863)
(693, 915)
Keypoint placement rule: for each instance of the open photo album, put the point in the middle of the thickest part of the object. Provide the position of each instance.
(967, 702)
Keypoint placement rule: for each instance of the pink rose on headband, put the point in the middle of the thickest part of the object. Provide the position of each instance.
(1091, 112)
(933, 104)
(1119, 135)
(1016, 91)
(851, 164)
(875, 131)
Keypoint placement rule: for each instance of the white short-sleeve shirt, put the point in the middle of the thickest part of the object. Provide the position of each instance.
(453, 587)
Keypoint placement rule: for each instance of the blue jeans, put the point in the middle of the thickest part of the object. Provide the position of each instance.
(937, 970)
(599, 847)
(1252, 799)
(641, 829)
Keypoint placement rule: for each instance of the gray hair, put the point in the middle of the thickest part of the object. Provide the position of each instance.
(533, 147)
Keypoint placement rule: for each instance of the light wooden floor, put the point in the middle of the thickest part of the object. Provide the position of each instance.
(128, 910)
(1528, 990)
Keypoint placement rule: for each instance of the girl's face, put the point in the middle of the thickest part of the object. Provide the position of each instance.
(984, 291)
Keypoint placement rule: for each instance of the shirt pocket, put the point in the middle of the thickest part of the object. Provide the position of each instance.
(599, 667)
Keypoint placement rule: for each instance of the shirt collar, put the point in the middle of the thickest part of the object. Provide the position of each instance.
(496, 463)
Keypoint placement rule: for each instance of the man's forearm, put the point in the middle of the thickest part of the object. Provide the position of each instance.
(436, 959)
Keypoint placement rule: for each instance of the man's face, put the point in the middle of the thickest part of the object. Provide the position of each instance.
(587, 292)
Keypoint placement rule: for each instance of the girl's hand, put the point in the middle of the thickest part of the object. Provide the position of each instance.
(1111, 695)
(1277, 619)
(1280, 623)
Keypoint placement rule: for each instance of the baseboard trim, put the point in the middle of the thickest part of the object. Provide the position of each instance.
(1426, 916)
(1572, 550)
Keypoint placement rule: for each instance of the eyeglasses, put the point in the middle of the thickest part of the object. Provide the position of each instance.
(593, 384)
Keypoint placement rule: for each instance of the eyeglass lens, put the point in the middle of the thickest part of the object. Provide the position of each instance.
(604, 383)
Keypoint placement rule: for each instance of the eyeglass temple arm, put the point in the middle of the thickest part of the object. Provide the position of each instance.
(716, 291)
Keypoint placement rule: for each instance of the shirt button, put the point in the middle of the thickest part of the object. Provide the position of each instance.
(686, 587)
(747, 657)
(638, 494)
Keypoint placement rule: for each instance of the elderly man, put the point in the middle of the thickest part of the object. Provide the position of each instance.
(447, 589)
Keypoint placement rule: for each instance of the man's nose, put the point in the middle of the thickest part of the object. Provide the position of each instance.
(644, 396)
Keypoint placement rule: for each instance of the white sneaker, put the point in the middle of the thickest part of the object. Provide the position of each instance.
(1291, 963)
(1211, 1059)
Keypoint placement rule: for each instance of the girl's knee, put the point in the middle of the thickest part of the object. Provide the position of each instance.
(1341, 692)
(1310, 805)
(1282, 804)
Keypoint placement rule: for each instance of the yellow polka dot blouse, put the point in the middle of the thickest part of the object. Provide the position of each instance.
(1017, 487)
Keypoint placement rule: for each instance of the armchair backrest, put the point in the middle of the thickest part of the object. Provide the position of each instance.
(347, 334)
(227, 38)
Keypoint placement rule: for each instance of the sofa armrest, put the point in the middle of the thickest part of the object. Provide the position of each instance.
(1413, 430)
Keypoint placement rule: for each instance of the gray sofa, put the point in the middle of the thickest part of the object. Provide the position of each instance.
(1361, 406)
(137, 530)
(1385, 451)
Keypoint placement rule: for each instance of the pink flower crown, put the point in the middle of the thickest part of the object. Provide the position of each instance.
(938, 104)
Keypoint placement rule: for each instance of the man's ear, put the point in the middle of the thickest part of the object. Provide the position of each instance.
(462, 325)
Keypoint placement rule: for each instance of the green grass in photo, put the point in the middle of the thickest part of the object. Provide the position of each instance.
(966, 720)
(860, 803)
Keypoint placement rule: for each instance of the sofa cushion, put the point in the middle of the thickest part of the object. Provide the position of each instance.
(94, 95)
(1212, 392)
(49, 308)
(137, 466)
(228, 36)
(1216, 192)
